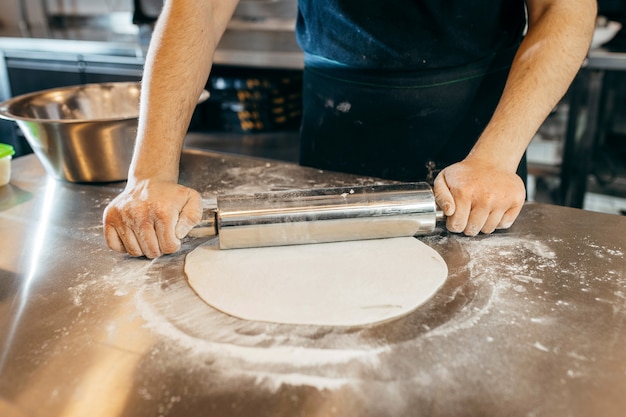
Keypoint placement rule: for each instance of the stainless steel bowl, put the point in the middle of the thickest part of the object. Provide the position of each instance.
(83, 133)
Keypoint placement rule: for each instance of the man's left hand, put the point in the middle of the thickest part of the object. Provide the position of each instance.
(477, 196)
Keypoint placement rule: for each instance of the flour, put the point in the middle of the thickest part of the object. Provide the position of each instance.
(124, 279)
(540, 347)
(503, 268)
(274, 383)
(250, 177)
(526, 279)
(227, 341)
(330, 358)
(271, 355)
(497, 281)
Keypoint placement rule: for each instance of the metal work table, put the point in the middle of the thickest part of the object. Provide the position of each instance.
(531, 321)
(50, 58)
(261, 48)
(586, 95)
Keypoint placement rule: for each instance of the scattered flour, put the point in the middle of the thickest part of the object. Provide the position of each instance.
(494, 281)
(275, 355)
(272, 354)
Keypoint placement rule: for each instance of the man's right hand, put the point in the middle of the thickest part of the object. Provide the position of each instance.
(149, 218)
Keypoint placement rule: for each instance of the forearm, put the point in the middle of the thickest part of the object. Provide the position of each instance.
(177, 67)
(549, 57)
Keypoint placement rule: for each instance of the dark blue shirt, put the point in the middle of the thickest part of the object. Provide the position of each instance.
(407, 34)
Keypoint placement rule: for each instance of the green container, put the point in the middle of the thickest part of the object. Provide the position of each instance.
(6, 152)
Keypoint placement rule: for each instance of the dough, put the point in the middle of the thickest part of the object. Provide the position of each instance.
(330, 284)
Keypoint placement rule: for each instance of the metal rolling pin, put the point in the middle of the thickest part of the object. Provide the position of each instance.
(321, 215)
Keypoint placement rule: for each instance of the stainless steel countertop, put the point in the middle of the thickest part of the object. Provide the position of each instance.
(531, 321)
(606, 60)
(240, 45)
(246, 47)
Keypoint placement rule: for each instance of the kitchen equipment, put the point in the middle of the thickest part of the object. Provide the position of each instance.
(604, 31)
(82, 133)
(321, 215)
(266, 9)
(147, 11)
(6, 153)
(259, 102)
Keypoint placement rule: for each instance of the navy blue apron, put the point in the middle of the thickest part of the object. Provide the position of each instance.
(398, 125)
(400, 89)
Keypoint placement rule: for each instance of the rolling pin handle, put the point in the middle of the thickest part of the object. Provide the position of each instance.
(207, 226)
(439, 215)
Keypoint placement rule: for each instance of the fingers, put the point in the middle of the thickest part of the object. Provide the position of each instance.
(151, 219)
(481, 221)
(164, 233)
(458, 222)
(509, 217)
(443, 196)
(113, 240)
(126, 234)
(479, 199)
(190, 215)
(472, 221)
(492, 222)
(476, 221)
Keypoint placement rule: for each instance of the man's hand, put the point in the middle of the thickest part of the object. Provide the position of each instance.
(478, 197)
(478, 194)
(150, 218)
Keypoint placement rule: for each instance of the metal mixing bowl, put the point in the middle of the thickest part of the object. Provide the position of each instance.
(83, 133)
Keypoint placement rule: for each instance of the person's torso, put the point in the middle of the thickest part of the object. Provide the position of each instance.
(407, 34)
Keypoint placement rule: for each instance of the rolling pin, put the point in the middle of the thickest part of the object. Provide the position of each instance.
(321, 215)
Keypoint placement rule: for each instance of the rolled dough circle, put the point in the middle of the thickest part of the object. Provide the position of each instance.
(329, 284)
